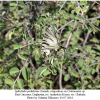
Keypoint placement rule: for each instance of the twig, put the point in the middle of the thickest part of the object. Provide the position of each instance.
(87, 36)
(20, 73)
(17, 78)
(60, 77)
(62, 5)
(90, 23)
(27, 45)
(34, 68)
(97, 2)
(68, 40)
(97, 17)
(55, 80)
(91, 6)
(90, 66)
(79, 7)
(85, 14)
(65, 25)
(11, 21)
(41, 1)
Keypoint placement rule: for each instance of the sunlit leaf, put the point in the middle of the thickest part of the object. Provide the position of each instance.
(66, 77)
(25, 73)
(21, 57)
(40, 71)
(8, 81)
(14, 70)
(20, 83)
(17, 46)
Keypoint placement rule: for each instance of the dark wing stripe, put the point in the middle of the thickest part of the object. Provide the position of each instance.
(48, 36)
(51, 32)
(49, 39)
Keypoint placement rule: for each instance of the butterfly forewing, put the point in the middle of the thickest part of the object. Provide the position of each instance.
(50, 40)
(51, 31)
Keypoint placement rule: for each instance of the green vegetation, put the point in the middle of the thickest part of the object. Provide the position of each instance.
(22, 62)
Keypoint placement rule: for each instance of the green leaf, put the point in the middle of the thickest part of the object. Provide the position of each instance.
(8, 81)
(93, 71)
(78, 18)
(77, 10)
(37, 52)
(13, 4)
(62, 21)
(47, 72)
(74, 73)
(49, 81)
(40, 71)
(21, 4)
(15, 15)
(17, 46)
(90, 86)
(12, 8)
(85, 8)
(62, 12)
(94, 40)
(1, 69)
(4, 75)
(80, 62)
(66, 77)
(1, 81)
(97, 86)
(83, 2)
(20, 83)
(85, 82)
(21, 57)
(24, 73)
(89, 77)
(97, 68)
(14, 70)
(9, 34)
(88, 47)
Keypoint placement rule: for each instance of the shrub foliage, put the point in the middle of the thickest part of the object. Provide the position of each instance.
(22, 63)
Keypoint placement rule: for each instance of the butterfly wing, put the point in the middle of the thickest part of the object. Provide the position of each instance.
(50, 40)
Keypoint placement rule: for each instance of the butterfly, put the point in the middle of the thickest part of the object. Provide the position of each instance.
(50, 40)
